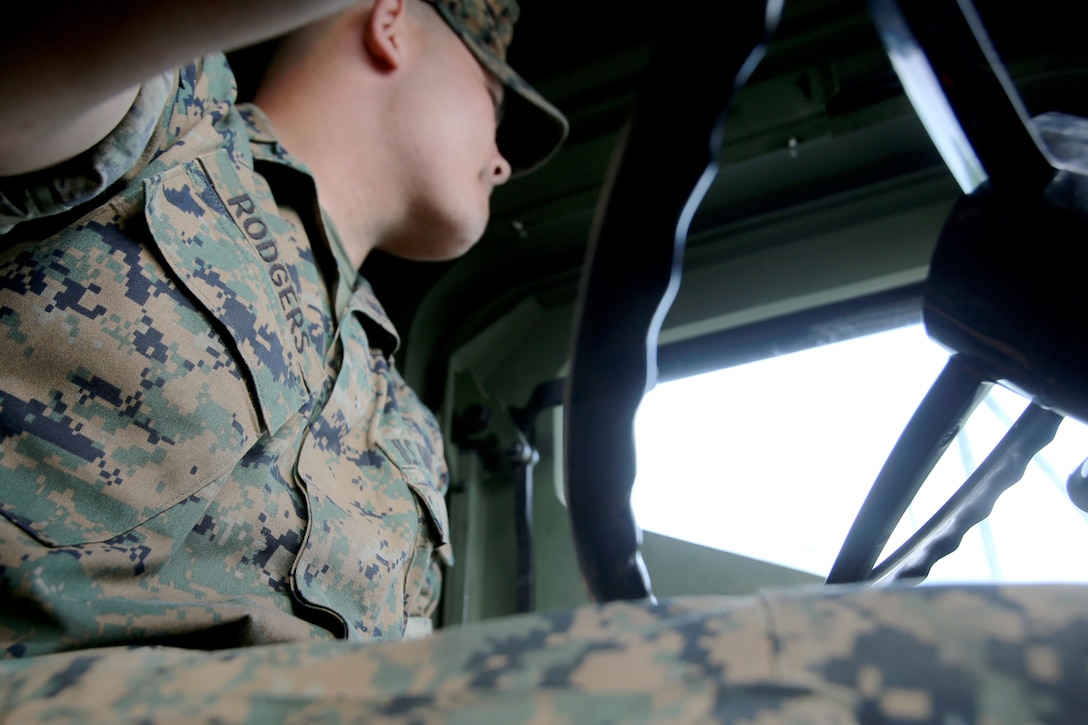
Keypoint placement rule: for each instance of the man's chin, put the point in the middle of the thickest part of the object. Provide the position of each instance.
(440, 242)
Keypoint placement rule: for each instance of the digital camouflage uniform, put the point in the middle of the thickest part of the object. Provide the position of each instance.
(204, 439)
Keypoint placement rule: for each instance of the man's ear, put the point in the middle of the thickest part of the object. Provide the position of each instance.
(385, 32)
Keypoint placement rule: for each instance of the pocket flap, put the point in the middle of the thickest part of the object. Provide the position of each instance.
(405, 455)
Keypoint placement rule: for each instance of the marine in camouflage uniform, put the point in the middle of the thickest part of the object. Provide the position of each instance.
(206, 445)
(205, 440)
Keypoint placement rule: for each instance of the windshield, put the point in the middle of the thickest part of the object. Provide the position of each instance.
(772, 460)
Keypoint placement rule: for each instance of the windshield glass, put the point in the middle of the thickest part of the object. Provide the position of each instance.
(773, 459)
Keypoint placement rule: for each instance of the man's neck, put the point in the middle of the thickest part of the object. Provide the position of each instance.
(346, 192)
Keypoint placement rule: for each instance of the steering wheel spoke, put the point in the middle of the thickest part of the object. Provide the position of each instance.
(975, 499)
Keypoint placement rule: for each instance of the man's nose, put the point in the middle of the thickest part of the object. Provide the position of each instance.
(500, 170)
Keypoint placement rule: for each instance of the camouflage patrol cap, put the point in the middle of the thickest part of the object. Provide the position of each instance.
(532, 129)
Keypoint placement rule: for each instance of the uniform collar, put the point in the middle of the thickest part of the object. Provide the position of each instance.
(379, 328)
(263, 141)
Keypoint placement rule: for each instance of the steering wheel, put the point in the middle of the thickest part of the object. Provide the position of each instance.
(1002, 290)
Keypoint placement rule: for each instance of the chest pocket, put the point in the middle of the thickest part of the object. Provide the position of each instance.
(128, 386)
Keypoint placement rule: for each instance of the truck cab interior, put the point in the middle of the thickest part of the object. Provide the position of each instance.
(816, 234)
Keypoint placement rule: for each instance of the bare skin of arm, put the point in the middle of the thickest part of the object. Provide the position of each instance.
(69, 70)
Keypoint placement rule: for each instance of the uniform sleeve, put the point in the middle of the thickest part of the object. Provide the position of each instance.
(67, 185)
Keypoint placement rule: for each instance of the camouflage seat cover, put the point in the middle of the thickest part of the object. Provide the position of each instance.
(940, 656)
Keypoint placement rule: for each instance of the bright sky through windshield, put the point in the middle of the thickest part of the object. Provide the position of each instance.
(773, 459)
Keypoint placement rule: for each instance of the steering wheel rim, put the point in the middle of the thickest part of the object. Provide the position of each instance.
(664, 164)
